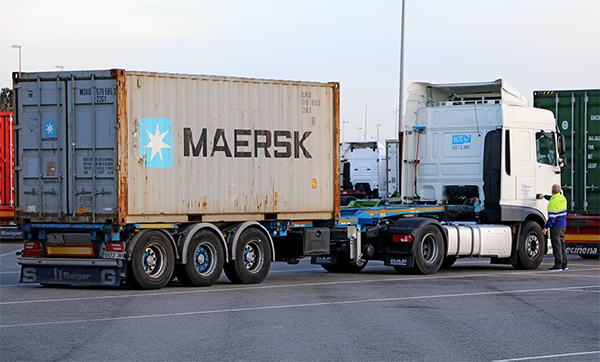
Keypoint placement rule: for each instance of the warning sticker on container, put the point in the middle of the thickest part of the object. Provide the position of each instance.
(461, 143)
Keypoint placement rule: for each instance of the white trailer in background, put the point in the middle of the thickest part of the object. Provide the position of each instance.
(363, 167)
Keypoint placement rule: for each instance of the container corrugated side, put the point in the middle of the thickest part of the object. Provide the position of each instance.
(577, 114)
(204, 148)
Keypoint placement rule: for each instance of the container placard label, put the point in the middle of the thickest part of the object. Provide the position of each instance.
(156, 142)
(461, 143)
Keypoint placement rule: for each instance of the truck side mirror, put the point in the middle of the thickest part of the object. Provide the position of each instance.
(561, 144)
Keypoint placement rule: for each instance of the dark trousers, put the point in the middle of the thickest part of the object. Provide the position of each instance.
(559, 249)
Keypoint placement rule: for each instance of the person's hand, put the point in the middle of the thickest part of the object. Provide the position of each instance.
(539, 196)
(545, 229)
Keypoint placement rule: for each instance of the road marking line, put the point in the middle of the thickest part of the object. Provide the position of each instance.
(215, 289)
(305, 305)
(549, 356)
(11, 253)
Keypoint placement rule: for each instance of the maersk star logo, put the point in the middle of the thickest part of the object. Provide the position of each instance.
(156, 142)
(50, 128)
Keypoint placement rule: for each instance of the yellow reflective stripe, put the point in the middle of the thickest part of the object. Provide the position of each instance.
(582, 237)
(69, 250)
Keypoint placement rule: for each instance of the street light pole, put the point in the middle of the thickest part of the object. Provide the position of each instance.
(359, 128)
(401, 109)
(18, 46)
(379, 125)
(62, 67)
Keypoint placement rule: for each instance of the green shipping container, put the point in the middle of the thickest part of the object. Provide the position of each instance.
(577, 114)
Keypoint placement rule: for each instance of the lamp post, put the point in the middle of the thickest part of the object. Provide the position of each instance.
(62, 67)
(18, 46)
(359, 128)
(343, 131)
(379, 125)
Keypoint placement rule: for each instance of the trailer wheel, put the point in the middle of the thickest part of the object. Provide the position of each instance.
(205, 259)
(252, 258)
(430, 250)
(530, 246)
(152, 262)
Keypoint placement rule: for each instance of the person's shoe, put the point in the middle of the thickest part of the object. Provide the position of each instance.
(555, 268)
(565, 268)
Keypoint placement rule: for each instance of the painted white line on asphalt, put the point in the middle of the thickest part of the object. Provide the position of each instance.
(305, 305)
(235, 288)
(11, 253)
(549, 356)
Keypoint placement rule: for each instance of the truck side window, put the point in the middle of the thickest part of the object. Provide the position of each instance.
(544, 143)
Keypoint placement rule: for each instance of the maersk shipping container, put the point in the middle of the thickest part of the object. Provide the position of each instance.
(577, 114)
(132, 147)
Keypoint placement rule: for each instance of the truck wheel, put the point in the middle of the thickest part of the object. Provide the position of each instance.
(152, 262)
(252, 258)
(430, 251)
(205, 259)
(530, 246)
(344, 267)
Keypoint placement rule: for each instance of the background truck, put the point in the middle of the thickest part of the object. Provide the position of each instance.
(142, 177)
(363, 169)
(8, 230)
(577, 114)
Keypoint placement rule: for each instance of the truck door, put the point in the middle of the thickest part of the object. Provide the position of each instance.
(546, 160)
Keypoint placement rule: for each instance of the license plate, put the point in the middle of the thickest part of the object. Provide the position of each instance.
(113, 255)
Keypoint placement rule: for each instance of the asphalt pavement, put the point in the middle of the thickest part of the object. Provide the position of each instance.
(473, 311)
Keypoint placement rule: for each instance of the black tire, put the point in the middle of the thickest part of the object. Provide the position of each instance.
(588, 256)
(252, 258)
(430, 250)
(530, 246)
(449, 261)
(205, 259)
(344, 267)
(152, 262)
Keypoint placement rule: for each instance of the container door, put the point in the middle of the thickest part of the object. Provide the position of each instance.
(92, 133)
(578, 118)
(592, 152)
(41, 152)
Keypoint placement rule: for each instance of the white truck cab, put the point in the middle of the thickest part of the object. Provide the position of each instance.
(479, 145)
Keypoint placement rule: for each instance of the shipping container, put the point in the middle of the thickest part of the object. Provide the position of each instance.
(577, 114)
(7, 188)
(132, 147)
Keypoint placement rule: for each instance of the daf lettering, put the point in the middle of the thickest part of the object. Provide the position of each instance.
(398, 262)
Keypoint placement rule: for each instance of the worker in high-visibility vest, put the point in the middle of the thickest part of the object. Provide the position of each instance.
(557, 223)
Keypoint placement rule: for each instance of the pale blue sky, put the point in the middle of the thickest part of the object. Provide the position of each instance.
(532, 44)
